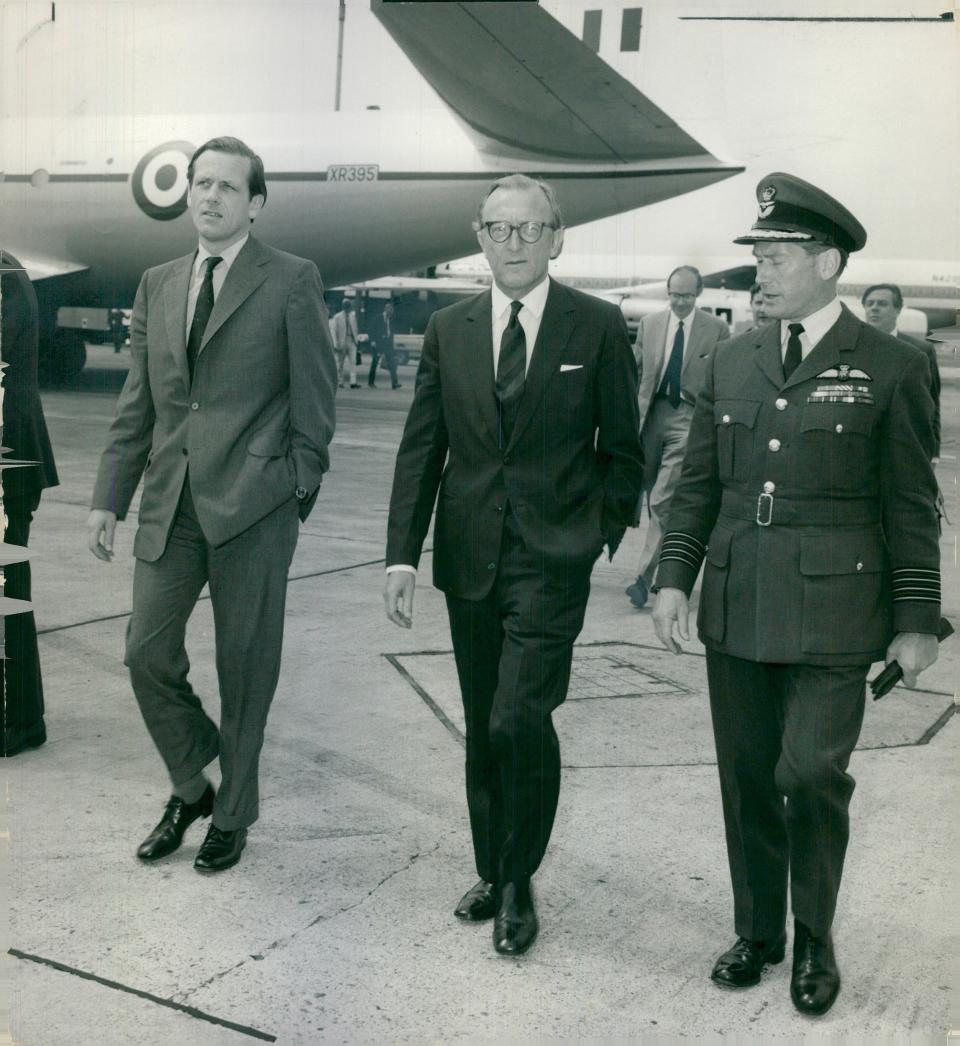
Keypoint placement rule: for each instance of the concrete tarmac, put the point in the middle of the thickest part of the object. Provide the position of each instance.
(337, 925)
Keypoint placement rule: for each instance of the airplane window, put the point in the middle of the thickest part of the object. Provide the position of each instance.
(630, 29)
(591, 29)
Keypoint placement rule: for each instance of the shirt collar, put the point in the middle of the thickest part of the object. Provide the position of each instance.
(687, 320)
(535, 300)
(229, 255)
(816, 324)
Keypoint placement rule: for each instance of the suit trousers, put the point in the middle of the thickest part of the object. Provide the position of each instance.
(514, 650)
(664, 441)
(248, 584)
(21, 685)
(784, 735)
(390, 359)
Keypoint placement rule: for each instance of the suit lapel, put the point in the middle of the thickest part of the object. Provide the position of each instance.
(478, 360)
(556, 326)
(175, 290)
(246, 274)
(691, 346)
(842, 337)
(659, 324)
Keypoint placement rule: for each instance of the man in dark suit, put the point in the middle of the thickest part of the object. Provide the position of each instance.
(525, 420)
(382, 339)
(25, 434)
(672, 349)
(882, 304)
(227, 413)
(807, 487)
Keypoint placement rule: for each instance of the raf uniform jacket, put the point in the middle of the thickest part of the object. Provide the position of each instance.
(24, 428)
(254, 425)
(571, 471)
(706, 333)
(841, 551)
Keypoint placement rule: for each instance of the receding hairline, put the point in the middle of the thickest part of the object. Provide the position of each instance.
(521, 182)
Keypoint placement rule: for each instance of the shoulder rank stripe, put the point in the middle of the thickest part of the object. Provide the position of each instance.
(683, 547)
(916, 583)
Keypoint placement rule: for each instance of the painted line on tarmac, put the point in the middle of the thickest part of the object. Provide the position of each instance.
(425, 697)
(169, 1004)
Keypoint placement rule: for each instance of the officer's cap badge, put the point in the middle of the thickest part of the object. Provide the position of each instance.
(767, 196)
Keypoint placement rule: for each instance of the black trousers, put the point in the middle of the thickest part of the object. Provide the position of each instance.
(21, 685)
(784, 735)
(248, 587)
(513, 650)
(390, 358)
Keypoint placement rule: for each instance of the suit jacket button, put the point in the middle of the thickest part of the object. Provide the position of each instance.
(499, 508)
(774, 445)
(491, 566)
(194, 406)
(781, 404)
(859, 566)
(184, 451)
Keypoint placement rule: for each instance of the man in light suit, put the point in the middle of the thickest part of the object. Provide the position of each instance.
(672, 350)
(227, 413)
(882, 304)
(343, 328)
(525, 420)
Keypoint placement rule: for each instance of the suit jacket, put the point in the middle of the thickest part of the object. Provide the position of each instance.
(843, 447)
(340, 329)
(379, 336)
(931, 353)
(24, 428)
(707, 332)
(571, 471)
(256, 422)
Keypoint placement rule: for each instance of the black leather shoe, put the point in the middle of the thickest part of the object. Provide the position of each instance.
(741, 966)
(815, 983)
(515, 926)
(177, 818)
(479, 903)
(220, 850)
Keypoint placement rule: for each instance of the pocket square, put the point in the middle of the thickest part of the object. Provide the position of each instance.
(570, 366)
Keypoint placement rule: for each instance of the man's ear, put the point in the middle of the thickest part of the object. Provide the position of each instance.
(557, 243)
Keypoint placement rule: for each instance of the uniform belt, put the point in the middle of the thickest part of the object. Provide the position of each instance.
(771, 509)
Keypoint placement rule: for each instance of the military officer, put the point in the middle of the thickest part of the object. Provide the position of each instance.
(808, 490)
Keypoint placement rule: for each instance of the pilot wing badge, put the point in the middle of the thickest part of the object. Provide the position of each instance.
(844, 372)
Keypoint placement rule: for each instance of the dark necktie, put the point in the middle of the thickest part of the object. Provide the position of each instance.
(793, 355)
(670, 386)
(201, 314)
(511, 371)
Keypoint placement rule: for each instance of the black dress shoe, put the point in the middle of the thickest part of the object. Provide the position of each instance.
(177, 818)
(479, 903)
(741, 966)
(515, 926)
(221, 849)
(815, 983)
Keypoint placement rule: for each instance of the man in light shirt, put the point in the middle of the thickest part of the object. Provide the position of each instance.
(226, 413)
(525, 420)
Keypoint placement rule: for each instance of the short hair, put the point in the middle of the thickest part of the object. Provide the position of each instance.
(520, 181)
(755, 290)
(818, 247)
(891, 287)
(256, 181)
(686, 268)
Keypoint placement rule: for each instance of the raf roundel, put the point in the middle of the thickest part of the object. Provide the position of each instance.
(159, 182)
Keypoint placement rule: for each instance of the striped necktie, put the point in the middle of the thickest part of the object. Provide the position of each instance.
(511, 371)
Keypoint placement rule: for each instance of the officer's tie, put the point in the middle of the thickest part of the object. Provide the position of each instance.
(793, 355)
(672, 376)
(511, 371)
(201, 314)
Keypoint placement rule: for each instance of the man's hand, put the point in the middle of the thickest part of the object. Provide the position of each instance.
(671, 608)
(914, 651)
(398, 597)
(100, 528)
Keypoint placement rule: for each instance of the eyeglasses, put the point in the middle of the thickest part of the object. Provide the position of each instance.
(529, 232)
(681, 297)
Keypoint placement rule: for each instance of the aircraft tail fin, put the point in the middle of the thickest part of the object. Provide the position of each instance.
(524, 86)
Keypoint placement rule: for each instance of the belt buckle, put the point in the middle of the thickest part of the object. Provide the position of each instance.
(765, 510)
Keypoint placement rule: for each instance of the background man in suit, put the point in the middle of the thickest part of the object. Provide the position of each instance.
(383, 346)
(807, 484)
(672, 350)
(756, 307)
(525, 419)
(882, 304)
(25, 433)
(343, 328)
(227, 412)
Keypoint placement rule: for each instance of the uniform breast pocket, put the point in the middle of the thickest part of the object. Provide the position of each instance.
(735, 421)
(837, 452)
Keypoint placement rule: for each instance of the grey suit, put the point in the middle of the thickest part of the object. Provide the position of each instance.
(663, 427)
(222, 460)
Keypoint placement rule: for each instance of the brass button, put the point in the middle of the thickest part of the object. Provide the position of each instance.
(774, 445)
(194, 406)
(726, 419)
(859, 566)
(781, 404)
(839, 428)
(769, 488)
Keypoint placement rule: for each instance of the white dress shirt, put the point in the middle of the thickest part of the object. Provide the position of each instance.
(672, 325)
(229, 256)
(815, 326)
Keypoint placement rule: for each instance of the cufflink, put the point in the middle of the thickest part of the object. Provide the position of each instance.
(301, 493)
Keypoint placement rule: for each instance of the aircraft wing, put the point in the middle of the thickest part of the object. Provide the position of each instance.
(38, 268)
(524, 86)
